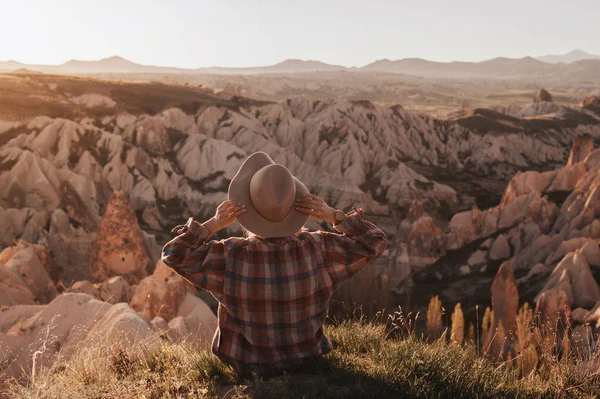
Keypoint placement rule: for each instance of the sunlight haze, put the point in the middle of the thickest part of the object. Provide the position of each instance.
(239, 33)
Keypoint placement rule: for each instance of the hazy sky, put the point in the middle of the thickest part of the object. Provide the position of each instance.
(199, 33)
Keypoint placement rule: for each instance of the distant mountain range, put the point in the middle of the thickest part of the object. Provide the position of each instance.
(287, 66)
(575, 55)
(118, 64)
(576, 65)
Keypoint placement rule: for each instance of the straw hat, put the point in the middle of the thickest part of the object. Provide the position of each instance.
(268, 190)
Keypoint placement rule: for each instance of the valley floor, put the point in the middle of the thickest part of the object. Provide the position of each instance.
(366, 363)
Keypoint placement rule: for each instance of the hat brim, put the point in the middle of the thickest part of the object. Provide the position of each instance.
(239, 191)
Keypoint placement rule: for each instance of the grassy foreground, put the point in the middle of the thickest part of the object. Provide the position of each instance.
(364, 364)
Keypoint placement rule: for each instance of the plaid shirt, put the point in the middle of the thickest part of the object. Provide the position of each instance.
(274, 293)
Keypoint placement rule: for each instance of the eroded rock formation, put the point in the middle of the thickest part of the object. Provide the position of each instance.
(119, 248)
(160, 294)
(542, 95)
(175, 159)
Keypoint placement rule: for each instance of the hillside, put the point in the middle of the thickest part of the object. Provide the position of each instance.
(93, 175)
(365, 364)
(173, 149)
(497, 68)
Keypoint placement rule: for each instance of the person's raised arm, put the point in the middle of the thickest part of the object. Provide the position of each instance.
(347, 253)
(196, 259)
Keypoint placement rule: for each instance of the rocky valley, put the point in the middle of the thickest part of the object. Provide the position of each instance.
(95, 173)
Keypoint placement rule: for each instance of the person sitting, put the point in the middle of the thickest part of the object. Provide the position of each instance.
(274, 286)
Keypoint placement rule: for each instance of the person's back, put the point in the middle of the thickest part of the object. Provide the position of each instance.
(274, 293)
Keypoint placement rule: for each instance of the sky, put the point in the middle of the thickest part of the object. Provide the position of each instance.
(242, 33)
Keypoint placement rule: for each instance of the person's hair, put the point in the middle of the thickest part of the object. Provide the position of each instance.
(246, 233)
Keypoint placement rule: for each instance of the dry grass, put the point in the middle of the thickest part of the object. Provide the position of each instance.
(371, 359)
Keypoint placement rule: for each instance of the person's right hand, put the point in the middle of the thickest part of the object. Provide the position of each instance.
(315, 206)
(225, 215)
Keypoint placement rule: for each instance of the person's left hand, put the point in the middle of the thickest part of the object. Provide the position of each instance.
(315, 206)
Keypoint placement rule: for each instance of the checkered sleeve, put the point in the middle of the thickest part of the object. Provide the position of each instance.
(346, 254)
(199, 261)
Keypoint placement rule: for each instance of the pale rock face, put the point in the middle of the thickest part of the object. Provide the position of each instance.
(6, 125)
(575, 270)
(591, 252)
(125, 120)
(593, 159)
(500, 249)
(25, 222)
(538, 252)
(565, 247)
(149, 133)
(89, 167)
(201, 156)
(85, 287)
(107, 119)
(38, 123)
(143, 194)
(139, 159)
(567, 177)
(581, 206)
(477, 258)
(160, 325)
(13, 221)
(26, 264)
(11, 315)
(122, 325)
(352, 153)
(79, 199)
(178, 330)
(34, 227)
(200, 321)
(14, 290)
(530, 232)
(515, 211)
(159, 295)
(537, 269)
(70, 323)
(525, 183)
(70, 247)
(582, 147)
(93, 101)
(32, 182)
(114, 290)
(119, 248)
(154, 250)
(470, 225)
(118, 176)
(176, 119)
(40, 251)
(152, 217)
(167, 181)
(55, 142)
(396, 182)
(541, 108)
